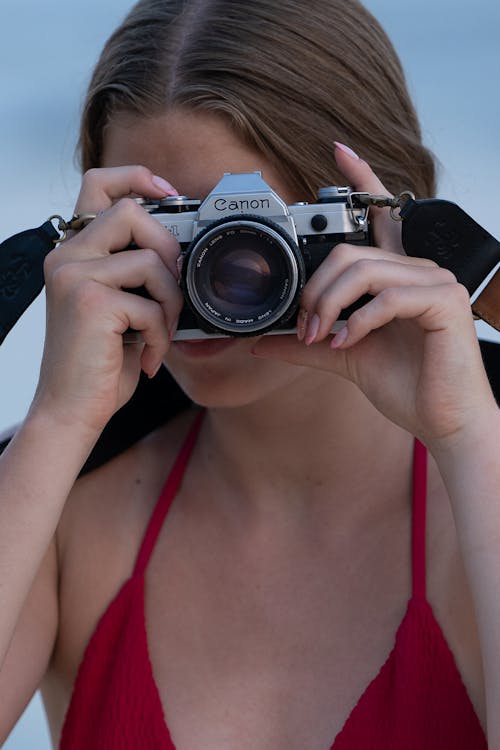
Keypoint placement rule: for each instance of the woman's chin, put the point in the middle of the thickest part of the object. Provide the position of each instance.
(222, 395)
(204, 348)
(229, 380)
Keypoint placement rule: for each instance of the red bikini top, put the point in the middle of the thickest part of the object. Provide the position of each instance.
(417, 701)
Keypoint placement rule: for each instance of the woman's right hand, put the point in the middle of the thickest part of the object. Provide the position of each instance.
(87, 373)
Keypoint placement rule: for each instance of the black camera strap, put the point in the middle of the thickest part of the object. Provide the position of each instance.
(21, 272)
(435, 229)
(442, 231)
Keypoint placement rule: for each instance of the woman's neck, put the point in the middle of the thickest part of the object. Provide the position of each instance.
(317, 442)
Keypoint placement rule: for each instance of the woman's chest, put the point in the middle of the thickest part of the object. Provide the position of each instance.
(256, 646)
(270, 654)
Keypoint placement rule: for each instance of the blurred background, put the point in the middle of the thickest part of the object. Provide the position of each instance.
(451, 56)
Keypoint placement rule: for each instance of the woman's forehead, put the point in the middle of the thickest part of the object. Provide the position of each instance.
(192, 150)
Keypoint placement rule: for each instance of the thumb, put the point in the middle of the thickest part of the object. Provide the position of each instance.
(320, 356)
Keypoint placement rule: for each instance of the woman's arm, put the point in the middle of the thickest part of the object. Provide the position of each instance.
(86, 376)
(37, 472)
(31, 646)
(470, 466)
(413, 351)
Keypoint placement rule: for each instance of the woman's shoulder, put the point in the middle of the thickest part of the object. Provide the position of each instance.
(100, 532)
(122, 492)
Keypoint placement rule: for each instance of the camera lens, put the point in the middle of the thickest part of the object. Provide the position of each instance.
(242, 276)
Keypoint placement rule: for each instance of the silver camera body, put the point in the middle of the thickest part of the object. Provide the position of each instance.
(246, 255)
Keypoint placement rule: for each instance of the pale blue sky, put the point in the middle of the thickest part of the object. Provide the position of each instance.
(449, 49)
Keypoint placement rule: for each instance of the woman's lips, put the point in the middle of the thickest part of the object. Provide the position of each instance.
(204, 347)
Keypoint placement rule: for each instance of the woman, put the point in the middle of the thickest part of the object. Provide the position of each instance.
(254, 604)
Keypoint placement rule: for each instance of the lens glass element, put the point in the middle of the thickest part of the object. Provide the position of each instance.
(242, 276)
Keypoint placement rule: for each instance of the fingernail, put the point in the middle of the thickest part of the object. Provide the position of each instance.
(257, 354)
(339, 338)
(163, 185)
(347, 150)
(178, 265)
(312, 329)
(173, 329)
(301, 324)
(155, 371)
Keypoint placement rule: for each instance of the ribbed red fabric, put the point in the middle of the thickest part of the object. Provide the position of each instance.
(417, 701)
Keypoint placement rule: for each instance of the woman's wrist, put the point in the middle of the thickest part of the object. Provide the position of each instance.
(51, 424)
(478, 436)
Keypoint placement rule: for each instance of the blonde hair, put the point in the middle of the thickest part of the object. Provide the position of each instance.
(290, 77)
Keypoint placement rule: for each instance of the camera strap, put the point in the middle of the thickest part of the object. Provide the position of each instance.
(21, 265)
(432, 228)
(442, 231)
(21, 272)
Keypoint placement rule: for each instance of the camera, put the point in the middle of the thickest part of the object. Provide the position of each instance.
(246, 255)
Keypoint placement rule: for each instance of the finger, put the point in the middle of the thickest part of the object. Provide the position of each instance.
(367, 276)
(433, 308)
(358, 171)
(122, 225)
(102, 187)
(127, 270)
(146, 316)
(286, 348)
(360, 175)
(340, 259)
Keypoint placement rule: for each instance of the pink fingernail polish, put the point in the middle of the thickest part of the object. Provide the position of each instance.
(173, 329)
(339, 338)
(256, 354)
(163, 185)
(312, 329)
(347, 150)
(301, 324)
(155, 371)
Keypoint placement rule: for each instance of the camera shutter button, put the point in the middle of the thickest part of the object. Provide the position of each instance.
(319, 222)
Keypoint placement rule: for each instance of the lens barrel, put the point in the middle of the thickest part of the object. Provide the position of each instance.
(242, 277)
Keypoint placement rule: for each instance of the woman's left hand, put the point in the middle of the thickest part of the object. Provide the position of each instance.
(412, 349)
